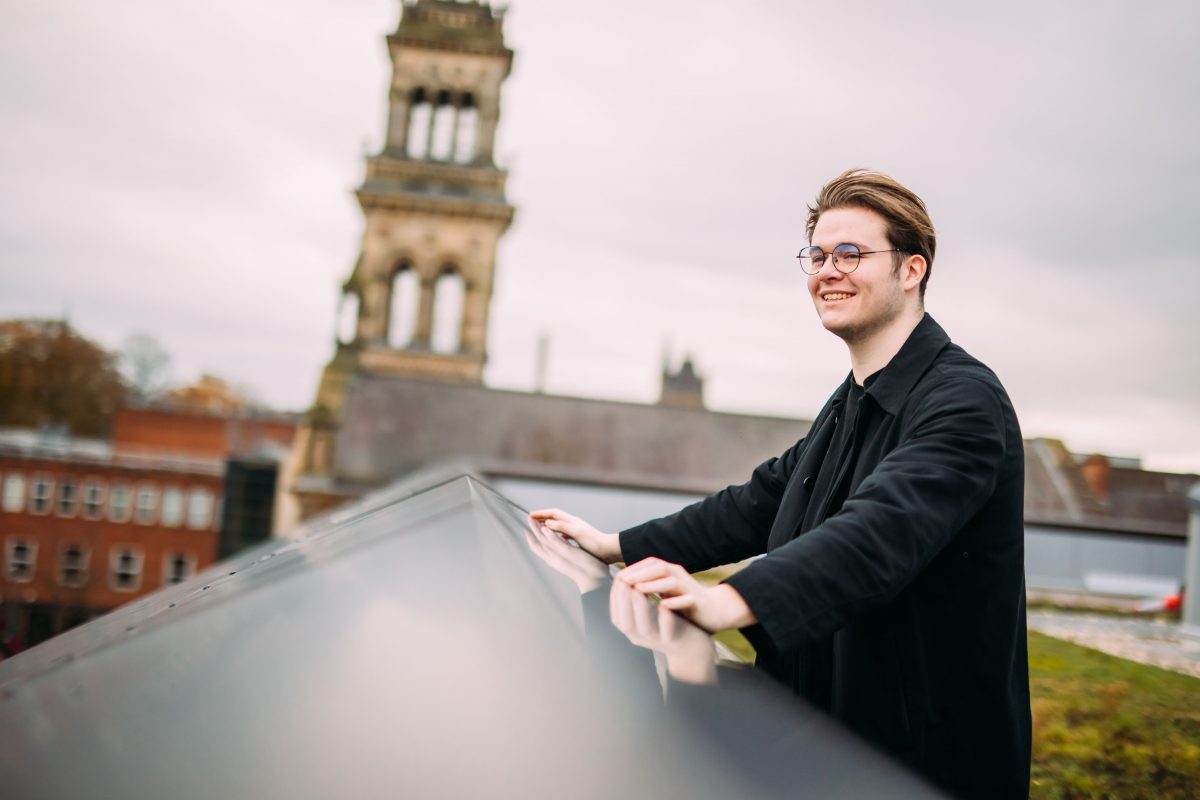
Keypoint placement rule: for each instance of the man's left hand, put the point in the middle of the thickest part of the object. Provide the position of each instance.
(715, 608)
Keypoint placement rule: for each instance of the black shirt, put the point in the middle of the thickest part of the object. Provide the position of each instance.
(852, 424)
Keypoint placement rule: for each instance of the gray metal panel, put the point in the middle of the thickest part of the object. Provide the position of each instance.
(1063, 558)
(430, 646)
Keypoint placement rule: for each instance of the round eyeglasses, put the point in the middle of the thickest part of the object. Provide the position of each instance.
(845, 258)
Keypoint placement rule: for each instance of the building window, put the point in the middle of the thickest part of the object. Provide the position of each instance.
(172, 506)
(39, 497)
(20, 559)
(93, 499)
(72, 565)
(199, 512)
(14, 492)
(147, 503)
(67, 497)
(178, 567)
(126, 565)
(119, 502)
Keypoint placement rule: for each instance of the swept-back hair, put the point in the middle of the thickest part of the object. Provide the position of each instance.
(908, 226)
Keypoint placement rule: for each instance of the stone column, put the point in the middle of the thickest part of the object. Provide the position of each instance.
(1191, 574)
(452, 155)
(433, 114)
(489, 116)
(373, 312)
(424, 329)
(472, 338)
(397, 138)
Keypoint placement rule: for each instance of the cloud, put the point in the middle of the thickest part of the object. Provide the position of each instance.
(187, 170)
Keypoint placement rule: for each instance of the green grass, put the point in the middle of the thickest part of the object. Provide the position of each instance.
(1111, 728)
(1103, 727)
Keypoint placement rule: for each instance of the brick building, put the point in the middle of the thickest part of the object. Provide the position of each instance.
(87, 525)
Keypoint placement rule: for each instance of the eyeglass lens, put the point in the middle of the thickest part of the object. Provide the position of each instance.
(845, 258)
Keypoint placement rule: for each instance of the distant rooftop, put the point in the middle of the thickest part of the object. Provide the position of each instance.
(53, 445)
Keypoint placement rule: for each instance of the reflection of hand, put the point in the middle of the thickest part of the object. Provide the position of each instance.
(604, 546)
(715, 608)
(562, 556)
(690, 654)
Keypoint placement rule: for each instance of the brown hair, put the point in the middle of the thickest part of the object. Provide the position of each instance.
(907, 222)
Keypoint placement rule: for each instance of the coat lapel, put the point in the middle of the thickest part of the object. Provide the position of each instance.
(799, 489)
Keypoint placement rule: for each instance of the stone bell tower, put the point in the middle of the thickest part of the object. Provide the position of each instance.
(433, 199)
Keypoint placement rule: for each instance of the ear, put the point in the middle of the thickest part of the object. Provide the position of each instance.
(912, 271)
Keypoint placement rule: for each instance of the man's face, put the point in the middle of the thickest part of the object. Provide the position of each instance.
(854, 306)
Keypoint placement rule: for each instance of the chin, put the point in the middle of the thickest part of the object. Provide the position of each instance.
(840, 328)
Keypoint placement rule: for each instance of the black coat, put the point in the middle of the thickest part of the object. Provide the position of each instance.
(902, 612)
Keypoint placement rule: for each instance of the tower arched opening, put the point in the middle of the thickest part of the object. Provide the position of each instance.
(402, 305)
(467, 130)
(449, 295)
(441, 132)
(420, 115)
(347, 317)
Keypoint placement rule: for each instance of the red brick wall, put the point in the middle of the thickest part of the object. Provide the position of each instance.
(140, 429)
(99, 537)
(194, 433)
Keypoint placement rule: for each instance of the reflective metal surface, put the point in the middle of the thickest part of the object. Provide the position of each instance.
(424, 642)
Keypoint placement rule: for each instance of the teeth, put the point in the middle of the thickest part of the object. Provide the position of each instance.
(835, 296)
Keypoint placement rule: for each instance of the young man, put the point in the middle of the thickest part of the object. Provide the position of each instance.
(892, 590)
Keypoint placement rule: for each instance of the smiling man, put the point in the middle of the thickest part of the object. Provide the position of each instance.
(891, 592)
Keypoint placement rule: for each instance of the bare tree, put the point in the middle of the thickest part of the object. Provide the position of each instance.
(146, 366)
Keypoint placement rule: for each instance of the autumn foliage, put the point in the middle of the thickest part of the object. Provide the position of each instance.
(51, 375)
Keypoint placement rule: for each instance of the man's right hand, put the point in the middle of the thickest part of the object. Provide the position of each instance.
(604, 546)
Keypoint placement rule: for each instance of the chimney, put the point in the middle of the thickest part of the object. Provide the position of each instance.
(542, 362)
(1097, 473)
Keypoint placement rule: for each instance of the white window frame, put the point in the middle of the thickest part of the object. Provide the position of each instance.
(116, 514)
(88, 485)
(85, 559)
(176, 519)
(67, 482)
(150, 490)
(194, 520)
(15, 487)
(189, 570)
(114, 562)
(10, 561)
(45, 480)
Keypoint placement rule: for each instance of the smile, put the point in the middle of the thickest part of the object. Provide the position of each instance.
(836, 296)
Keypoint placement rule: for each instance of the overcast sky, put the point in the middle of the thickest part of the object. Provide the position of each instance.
(186, 170)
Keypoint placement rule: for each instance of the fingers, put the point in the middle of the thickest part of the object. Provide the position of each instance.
(635, 616)
(666, 587)
(650, 569)
(551, 513)
(680, 602)
(558, 521)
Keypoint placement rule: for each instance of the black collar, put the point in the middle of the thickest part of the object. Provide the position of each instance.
(916, 355)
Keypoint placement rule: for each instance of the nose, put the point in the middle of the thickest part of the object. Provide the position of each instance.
(828, 270)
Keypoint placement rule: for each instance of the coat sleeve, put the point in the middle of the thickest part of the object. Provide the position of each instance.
(901, 515)
(723, 528)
